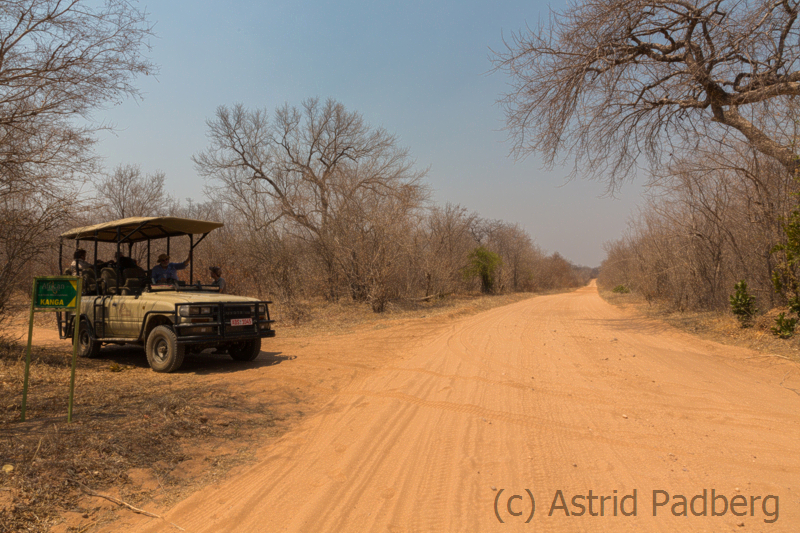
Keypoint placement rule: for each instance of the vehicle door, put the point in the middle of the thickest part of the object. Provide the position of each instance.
(124, 315)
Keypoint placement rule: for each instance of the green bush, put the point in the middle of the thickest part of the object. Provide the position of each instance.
(483, 264)
(743, 306)
(784, 327)
(622, 289)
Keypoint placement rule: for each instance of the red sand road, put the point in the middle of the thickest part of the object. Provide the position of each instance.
(557, 393)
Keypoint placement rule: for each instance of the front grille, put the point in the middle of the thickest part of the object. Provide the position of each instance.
(237, 312)
(217, 324)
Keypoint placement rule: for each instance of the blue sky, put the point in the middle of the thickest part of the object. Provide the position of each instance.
(419, 69)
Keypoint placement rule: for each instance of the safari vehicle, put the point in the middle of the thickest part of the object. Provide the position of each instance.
(125, 306)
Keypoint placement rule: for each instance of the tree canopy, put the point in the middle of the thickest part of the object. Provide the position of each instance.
(607, 81)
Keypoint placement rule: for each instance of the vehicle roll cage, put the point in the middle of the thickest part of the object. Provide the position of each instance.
(131, 231)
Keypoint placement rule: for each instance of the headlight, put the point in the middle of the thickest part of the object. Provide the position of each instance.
(187, 310)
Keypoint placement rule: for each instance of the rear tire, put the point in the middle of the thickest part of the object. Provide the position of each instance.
(164, 354)
(245, 350)
(88, 345)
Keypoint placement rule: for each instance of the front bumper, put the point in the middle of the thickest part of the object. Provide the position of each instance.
(223, 322)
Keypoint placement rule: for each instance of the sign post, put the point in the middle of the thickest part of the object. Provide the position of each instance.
(55, 293)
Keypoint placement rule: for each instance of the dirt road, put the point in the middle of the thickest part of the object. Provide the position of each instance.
(563, 399)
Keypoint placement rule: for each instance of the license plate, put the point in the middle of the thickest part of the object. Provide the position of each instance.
(241, 322)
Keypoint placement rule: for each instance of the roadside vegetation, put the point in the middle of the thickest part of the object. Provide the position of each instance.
(715, 325)
(709, 223)
(713, 237)
(701, 99)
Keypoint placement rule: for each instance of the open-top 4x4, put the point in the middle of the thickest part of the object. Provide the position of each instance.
(125, 306)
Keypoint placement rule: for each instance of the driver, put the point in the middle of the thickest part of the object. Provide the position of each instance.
(166, 272)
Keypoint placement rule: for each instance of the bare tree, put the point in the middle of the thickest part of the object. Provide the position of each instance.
(28, 225)
(307, 165)
(62, 59)
(443, 244)
(374, 236)
(126, 192)
(59, 60)
(610, 80)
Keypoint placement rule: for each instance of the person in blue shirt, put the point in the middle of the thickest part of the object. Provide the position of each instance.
(166, 272)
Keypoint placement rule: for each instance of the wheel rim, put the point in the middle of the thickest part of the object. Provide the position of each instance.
(83, 341)
(161, 350)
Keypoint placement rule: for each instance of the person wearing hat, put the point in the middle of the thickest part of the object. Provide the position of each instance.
(166, 272)
(217, 279)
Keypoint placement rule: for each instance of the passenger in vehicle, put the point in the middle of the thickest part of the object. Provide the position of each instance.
(217, 279)
(79, 259)
(86, 270)
(124, 262)
(166, 272)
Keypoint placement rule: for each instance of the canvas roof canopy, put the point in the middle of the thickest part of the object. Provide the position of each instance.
(137, 229)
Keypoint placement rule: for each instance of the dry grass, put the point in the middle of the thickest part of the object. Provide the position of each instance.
(128, 417)
(715, 325)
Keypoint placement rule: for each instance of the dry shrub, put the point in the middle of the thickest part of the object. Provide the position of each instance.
(712, 219)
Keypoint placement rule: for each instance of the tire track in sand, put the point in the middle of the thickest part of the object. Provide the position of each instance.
(562, 392)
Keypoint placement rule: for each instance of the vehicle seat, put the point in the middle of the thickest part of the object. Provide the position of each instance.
(89, 281)
(134, 272)
(109, 280)
(134, 279)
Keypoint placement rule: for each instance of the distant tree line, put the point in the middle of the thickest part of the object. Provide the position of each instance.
(318, 205)
(323, 205)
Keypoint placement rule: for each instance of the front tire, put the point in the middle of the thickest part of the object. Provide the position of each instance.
(164, 354)
(88, 345)
(245, 350)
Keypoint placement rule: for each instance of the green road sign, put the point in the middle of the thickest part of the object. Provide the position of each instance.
(51, 294)
(55, 292)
